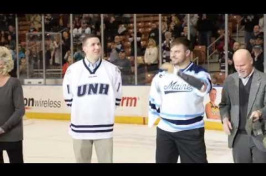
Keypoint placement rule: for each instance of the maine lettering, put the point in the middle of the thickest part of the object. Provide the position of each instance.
(174, 87)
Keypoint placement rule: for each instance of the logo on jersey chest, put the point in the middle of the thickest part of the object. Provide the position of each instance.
(176, 86)
(93, 89)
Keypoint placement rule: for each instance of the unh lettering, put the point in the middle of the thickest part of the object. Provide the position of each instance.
(93, 89)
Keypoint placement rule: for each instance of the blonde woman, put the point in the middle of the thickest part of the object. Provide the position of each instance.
(151, 56)
(11, 110)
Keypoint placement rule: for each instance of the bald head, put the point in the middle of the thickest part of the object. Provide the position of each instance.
(243, 62)
(242, 54)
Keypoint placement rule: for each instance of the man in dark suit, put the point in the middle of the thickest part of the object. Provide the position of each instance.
(244, 97)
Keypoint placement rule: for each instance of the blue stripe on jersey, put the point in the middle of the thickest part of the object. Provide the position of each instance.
(91, 131)
(185, 122)
(68, 100)
(154, 113)
(185, 127)
(117, 104)
(153, 106)
(117, 99)
(182, 115)
(91, 126)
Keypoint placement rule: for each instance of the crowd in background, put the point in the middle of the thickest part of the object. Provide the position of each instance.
(119, 41)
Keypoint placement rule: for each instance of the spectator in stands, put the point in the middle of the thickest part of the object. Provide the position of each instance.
(65, 43)
(12, 110)
(259, 41)
(164, 30)
(12, 32)
(48, 22)
(67, 64)
(211, 108)
(236, 46)
(114, 50)
(79, 54)
(76, 23)
(175, 30)
(22, 68)
(125, 67)
(258, 57)
(111, 27)
(68, 54)
(151, 56)
(166, 47)
(3, 38)
(84, 29)
(177, 20)
(131, 40)
(118, 43)
(254, 35)
(249, 21)
(56, 51)
(205, 27)
(11, 43)
(121, 30)
(220, 47)
(231, 66)
(36, 21)
(63, 21)
(230, 61)
(154, 33)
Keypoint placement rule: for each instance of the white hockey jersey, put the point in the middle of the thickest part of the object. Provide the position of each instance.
(93, 96)
(178, 105)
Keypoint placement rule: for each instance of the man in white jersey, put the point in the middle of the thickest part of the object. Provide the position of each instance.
(176, 97)
(92, 87)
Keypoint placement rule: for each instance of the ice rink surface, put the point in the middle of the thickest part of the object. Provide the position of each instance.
(48, 141)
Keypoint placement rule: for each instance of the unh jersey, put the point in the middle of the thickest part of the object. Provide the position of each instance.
(179, 105)
(93, 96)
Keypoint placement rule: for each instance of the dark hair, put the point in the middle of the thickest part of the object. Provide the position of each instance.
(182, 41)
(86, 37)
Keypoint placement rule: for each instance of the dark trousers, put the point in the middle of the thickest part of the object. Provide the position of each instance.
(14, 151)
(189, 144)
(245, 151)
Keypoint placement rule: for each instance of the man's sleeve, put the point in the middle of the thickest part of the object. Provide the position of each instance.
(154, 101)
(206, 79)
(67, 92)
(225, 105)
(118, 87)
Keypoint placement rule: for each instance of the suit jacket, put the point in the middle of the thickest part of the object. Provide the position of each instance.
(229, 106)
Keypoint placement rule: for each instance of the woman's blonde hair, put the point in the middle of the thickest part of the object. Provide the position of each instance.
(6, 57)
(151, 42)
